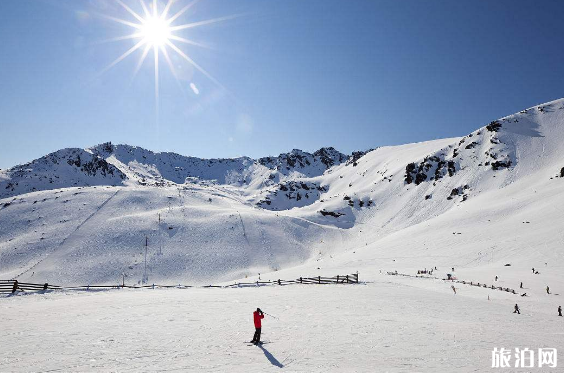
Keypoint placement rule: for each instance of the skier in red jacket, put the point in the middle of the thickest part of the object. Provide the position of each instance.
(258, 315)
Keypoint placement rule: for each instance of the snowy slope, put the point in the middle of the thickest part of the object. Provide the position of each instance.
(382, 326)
(450, 201)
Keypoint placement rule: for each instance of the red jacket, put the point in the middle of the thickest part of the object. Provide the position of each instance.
(257, 317)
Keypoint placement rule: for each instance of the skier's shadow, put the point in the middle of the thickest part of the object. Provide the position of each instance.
(271, 358)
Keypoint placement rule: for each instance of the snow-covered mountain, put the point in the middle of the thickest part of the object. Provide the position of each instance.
(108, 164)
(61, 169)
(82, 215)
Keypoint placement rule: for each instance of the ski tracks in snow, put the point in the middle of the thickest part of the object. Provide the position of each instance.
(67, 238)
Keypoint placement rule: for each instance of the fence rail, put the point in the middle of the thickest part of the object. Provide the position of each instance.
(12, 286)
(9, 286)
(471, 283)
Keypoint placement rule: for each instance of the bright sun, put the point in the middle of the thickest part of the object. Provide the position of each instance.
(154, 30)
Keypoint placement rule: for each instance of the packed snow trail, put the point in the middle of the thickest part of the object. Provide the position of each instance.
(60, 249)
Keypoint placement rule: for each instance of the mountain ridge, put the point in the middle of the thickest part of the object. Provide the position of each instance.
(136, 164)
(221, 220)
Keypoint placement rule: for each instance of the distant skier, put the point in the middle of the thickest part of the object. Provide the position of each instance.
(517, 311)
(547, 290)
(453, 289)
(560, 311)
(258, 315)
(533, 270)
(521, 285)
(496, 278)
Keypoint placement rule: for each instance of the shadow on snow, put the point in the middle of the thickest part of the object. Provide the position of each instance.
(271, 358)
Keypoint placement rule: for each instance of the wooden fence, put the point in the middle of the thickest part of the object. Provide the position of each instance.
(319, 280)
(415, 276)
(493, 287)
(471, 283)
(11, 286)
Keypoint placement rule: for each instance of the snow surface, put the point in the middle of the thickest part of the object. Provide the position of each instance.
(388, 325)
(475, 203)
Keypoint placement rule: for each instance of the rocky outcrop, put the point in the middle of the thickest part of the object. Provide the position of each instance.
(306, 163)
(331, 213)
(355, 156)
(431, 168)
(330, 156)
(290, 194)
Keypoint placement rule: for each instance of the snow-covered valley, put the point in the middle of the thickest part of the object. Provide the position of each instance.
(484, 205)
(387, 325)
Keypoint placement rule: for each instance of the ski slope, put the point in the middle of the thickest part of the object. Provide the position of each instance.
(479, 206)
(477, 201)
(387, 325)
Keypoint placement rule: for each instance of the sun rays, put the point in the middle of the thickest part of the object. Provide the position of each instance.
(154, 32)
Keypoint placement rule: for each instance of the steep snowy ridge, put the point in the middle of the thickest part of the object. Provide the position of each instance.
(141, 164)
(148, 168)
(63, 168)
(81, 216)
(137, 166)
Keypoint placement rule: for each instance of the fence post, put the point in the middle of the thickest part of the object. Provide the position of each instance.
(45, 286)
(300, 280)
(319, 279)
(337, 279)
(15, 287)
(279, 283)
(347, 279)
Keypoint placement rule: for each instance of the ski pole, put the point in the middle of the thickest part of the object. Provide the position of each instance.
(271, 315)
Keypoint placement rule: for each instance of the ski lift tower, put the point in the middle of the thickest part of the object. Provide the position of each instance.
(145, 278)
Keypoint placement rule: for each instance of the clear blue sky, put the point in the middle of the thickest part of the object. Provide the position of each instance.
(297, 74)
